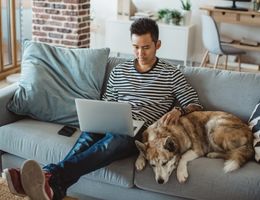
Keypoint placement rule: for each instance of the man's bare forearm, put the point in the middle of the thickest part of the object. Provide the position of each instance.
(191, 108)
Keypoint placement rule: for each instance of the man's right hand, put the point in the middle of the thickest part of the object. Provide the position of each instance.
(170, 117)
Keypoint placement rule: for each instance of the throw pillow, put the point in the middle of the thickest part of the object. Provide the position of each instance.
(52, 77)
(254, 124)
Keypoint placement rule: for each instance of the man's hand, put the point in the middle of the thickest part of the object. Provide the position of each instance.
(170, 117)
(174, 115)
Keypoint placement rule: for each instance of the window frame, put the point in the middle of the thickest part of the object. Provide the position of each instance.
(14, 67)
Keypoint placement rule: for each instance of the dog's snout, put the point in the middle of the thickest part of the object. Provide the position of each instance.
(160, 181)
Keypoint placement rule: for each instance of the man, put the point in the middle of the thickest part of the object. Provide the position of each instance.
(149, 84)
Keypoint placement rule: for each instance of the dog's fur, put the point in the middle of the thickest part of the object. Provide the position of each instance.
(200, 133)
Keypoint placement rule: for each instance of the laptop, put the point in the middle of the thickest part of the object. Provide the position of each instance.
(106, 116)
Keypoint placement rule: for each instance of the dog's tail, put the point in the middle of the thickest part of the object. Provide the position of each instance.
(235, 158)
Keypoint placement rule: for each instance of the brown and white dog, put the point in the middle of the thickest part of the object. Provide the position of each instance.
(198, 134)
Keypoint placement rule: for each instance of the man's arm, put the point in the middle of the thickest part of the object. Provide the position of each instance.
(191, 108)
(186, 96)
(174, 115)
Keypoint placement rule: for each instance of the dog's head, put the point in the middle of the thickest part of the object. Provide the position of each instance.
(162, 153)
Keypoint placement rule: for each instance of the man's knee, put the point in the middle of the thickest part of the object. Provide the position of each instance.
(121, 141)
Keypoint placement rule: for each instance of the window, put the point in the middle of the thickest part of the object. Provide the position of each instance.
(12, 27)
(6, 33)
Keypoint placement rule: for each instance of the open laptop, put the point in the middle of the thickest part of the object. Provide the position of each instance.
(106, 116)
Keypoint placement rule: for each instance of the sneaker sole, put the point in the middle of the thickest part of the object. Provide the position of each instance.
(6, 175)
(33, 180)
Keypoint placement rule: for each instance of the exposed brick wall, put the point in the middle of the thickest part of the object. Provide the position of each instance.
(61, 22)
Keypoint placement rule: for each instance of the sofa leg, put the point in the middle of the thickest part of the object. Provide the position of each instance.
(1, 166)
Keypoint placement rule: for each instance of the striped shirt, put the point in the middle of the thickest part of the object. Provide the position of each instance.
(151, 94)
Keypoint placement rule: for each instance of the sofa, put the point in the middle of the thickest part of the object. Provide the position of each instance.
(23, 137)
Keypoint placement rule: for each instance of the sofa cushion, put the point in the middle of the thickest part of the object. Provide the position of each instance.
(32, 139)
(52, 77)
(224, 90)
(207, 181)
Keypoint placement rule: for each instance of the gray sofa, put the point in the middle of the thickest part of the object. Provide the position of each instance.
(24, 138)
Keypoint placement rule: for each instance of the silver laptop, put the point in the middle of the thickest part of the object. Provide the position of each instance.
(106, 116)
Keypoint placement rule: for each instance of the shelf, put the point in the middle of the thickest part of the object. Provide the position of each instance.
(244, 46)
(248, 18)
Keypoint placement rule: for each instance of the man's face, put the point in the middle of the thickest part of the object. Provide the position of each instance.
(145, 48)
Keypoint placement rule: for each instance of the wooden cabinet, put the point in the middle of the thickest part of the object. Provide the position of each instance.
(177, 41)
(249, 18)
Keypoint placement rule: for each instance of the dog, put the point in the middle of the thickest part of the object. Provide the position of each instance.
(214, 134)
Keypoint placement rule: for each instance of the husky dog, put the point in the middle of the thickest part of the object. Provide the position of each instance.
(200, 133)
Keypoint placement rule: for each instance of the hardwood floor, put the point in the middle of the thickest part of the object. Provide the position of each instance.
(3, 84)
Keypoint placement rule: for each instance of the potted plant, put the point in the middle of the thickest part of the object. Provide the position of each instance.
(164, 15)
(186, 11)
(176, 17)
(169, 16)
(186, 5)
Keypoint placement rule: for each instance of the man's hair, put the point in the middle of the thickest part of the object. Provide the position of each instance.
(143, 26)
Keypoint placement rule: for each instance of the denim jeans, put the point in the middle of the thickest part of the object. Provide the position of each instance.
(90, 152)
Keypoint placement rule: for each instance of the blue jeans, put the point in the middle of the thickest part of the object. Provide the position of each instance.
(90, 152)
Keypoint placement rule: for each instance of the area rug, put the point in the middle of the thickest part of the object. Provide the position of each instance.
(6, 195)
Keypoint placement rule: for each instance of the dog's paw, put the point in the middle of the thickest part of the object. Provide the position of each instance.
(230, 165)
(257, 157)
(140, 163)
(213, 155)
(182, 174)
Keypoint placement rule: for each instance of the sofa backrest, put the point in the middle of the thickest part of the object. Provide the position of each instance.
(112, 62)
(229, 91)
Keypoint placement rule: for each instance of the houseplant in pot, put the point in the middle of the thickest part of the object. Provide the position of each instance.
(186, 11)
(169, 16)
(164, 15)
(176, 17)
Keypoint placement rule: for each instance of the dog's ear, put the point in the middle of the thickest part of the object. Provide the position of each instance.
(141, 147)
(169, 144)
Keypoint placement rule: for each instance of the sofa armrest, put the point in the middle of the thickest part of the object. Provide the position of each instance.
(6, 94)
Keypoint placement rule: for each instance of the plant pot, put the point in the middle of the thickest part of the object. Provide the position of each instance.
(186, 17)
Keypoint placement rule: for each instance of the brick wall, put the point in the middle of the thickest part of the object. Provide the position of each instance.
(61, 22)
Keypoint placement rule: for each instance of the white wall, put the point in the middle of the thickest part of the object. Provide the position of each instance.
(101, 11)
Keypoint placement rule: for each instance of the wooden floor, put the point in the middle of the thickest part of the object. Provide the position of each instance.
(3, 84)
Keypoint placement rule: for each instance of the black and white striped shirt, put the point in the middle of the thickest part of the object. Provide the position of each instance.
(151, 94)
